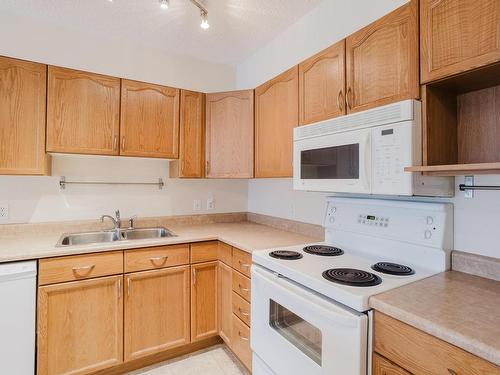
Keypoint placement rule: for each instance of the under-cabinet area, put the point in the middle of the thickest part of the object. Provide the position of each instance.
(109, 309)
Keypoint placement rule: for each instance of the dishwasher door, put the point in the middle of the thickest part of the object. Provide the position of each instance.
(17, 317)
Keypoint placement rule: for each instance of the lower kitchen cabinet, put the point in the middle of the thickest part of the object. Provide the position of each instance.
(156, 311)
(240, 342)
(225, 302)
(80, 326)
(204, 301)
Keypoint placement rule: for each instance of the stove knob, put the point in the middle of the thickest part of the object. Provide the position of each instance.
(427, 234)
(430, 220)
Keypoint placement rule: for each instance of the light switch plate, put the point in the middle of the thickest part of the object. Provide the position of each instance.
(210, 203)
(197, 205)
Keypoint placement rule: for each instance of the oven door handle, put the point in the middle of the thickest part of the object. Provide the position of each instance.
(332, 312)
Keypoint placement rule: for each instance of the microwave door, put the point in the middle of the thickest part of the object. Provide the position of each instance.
(334, 163)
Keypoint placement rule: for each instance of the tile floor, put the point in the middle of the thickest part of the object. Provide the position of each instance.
(216, 360)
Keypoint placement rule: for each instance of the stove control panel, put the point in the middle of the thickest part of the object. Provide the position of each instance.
(373, 220)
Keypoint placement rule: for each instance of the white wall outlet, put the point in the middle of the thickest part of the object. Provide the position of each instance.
(210, 204)
(4, 211)
(197, 205)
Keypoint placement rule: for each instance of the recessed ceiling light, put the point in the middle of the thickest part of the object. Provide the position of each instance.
(204, 20)
(164, 4)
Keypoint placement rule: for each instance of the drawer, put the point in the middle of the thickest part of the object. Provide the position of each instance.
(242, 285)
(79, 267)
(421, 353)
(204, 251)
(156, 257)
(241, 342)
(242, 261)
(241, 309)
(225, 253)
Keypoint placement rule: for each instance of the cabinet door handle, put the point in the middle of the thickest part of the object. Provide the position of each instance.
(243, 337)
(123, 143)
(194, 275)
(452, 372)
(243, 289)
(243, 313)
(207, 167)
(115, 140)
(340, 105)
(244, 265)
(88, 268)
(347, 95)
(162, 260)
(119, 288)
(129, 284)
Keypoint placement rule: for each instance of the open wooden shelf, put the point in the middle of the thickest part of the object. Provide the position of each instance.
(457, 169)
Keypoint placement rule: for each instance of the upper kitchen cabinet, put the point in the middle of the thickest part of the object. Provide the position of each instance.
(83, 112)
(22, 117)
(191, 136)
(276, 114)
(458, 35)
(322, 85)
(382, 60)
(229, 134)
(149, 125)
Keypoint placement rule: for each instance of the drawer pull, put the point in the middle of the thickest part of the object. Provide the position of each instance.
(162, 260)
(128, 286)
(452, 372)
(119, 288)
(243, 313)
(243, 289)
(244, 265)
(243, 337)
(88, 269)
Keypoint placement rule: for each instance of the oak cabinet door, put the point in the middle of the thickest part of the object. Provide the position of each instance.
(80, 326)
(149, 124)
(156, 311)
(83, 112)
(382, 366)
(322, 85)
(458, 35)
(204, 306)
(225, 302)
(276, 114)
(229, 134)
(191, 138)
(22, 117)
(382, 60)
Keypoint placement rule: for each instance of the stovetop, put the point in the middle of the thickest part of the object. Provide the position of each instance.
(314, 272)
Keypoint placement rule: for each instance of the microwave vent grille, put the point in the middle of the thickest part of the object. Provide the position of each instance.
(376, 117)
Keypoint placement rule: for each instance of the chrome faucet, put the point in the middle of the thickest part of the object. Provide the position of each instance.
(116, 222)
(131, 221)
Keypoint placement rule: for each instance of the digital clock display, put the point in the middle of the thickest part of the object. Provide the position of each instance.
(370, 217)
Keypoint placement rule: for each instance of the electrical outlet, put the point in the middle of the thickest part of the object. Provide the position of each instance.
(197, 205)
(4, 211)
(210, 204)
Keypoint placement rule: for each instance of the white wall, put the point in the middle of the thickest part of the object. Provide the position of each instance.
(30, 39)
(329, 22)
(39, 199)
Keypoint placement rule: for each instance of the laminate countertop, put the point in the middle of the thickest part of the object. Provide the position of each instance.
(456, 307)
(248, 236)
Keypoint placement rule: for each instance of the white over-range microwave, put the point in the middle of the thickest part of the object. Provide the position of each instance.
(366, 153)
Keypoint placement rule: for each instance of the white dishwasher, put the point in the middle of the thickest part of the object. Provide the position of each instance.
(17, 318)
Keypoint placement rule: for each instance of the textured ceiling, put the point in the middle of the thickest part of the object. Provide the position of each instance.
(237, 27)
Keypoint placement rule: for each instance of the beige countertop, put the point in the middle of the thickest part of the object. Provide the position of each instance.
(456, 307)
(248, 236)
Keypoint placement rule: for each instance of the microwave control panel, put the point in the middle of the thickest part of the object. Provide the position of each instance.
(392, 148)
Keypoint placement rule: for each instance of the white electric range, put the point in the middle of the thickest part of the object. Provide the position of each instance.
(310, 311)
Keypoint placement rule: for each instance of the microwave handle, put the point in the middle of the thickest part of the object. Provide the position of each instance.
(368, 157)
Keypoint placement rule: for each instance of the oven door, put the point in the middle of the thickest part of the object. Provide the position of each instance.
(297, 331)
(339, 162)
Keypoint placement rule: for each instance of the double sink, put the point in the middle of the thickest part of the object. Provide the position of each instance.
(114, 235)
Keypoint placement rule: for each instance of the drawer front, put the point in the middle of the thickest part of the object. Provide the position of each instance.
(225, 254)
(242, 261)
(241, 308)
(420, 353)
(242, 285)
(156, 257)
(204, 251)
(241, 342)
(79, 267)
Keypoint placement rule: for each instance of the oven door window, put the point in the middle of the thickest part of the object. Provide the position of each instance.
(303, 335)
(338, 162)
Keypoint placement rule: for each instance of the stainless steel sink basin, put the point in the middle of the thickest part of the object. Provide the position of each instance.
(88, 238)
(146, 233)
(113, 235)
